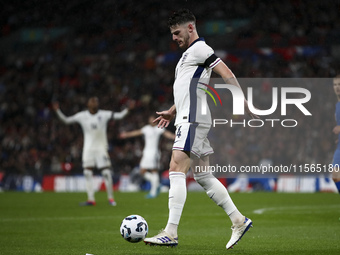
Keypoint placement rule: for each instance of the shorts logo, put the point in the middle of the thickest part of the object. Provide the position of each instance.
(209, 93)
(238, 99)
(179, 132)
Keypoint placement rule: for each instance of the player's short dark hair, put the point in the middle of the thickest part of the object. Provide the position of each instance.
(180, 17)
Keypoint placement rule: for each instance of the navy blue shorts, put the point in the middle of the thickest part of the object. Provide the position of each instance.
(336, 158)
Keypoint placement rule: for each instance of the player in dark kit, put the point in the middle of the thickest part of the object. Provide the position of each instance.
(336, 130)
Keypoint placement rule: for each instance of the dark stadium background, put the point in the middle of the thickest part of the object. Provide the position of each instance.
(120, 50)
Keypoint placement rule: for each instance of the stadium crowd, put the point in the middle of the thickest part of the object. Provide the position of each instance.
(118, 51)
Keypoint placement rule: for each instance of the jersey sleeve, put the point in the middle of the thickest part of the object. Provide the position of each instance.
(120, 115)
(205, 56)
(68, 120)
(107, 114)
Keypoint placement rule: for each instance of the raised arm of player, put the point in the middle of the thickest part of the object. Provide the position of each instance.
(61, 116)
(129, 134)
(120, 115)
(336, 130)
(165, 117)
(227, 75)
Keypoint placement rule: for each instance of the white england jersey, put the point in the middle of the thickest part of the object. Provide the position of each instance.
(151, 152)
(151, 138)
(193, 71)
(94, 126)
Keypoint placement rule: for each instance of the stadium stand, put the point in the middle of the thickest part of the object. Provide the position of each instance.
(69, 50)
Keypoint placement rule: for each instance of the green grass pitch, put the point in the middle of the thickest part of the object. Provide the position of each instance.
(53, 223)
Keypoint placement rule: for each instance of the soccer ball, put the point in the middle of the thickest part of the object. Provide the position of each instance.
(134, 228)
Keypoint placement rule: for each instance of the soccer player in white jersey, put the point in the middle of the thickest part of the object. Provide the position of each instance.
(191, 146)
(149, 164)
(95, 155)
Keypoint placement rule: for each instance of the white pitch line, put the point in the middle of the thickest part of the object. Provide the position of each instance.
(262, 210)
(68, 218)
(54, 218)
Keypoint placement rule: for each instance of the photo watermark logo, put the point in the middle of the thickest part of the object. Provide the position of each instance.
(292, 137)
(296, 96)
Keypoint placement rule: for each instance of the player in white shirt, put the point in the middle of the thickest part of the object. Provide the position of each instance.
(95, 149)
(191, 146)
(149, 164)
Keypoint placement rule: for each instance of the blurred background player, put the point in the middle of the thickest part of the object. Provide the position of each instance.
(192, 147)
(149, 164)
(93, 122)
(336, 130)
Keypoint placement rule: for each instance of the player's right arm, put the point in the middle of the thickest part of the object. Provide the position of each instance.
(165, 117)
(130, 134)
(61, 116)
(336, 130)
(120, 115)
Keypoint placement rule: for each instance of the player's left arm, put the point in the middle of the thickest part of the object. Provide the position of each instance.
(336, 130)
(120, 115)
(62, 117)
(227, 75)
(134, 133)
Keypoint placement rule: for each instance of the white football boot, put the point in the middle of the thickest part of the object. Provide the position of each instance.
(162, 239)
(238, 232)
